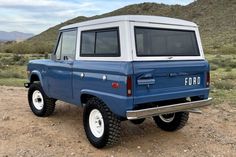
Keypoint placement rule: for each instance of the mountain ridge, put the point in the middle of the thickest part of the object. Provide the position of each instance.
(14, 36)
(216, 20)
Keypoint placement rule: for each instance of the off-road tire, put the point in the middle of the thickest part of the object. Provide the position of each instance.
(137, 121)
(177, 123)
(112, 128)
(48, 105)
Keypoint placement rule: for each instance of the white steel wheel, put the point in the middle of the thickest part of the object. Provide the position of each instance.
(167, 118)
(40, 104)
(96, 123)
(37, 99)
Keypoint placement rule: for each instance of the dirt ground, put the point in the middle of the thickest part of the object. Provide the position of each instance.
(22, 134)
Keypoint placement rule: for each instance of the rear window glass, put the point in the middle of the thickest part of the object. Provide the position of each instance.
(103, 42)
(165, 42)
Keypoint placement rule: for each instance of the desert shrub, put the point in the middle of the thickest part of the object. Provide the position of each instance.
(16, 75)
(222, 49)
(228, 69)
(16, 57)
(10, 74)
(214, 67)
(229, 76)
(4, 74)
(227, 62)
(224, 85)
(22, 61)
(6, 61)
(228, 49)
(8, 50)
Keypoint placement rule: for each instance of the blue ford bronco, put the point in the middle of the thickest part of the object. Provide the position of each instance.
(123, 68)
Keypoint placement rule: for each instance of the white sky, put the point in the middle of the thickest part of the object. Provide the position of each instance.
(35, 16)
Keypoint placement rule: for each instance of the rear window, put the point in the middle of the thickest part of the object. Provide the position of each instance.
(165, 42)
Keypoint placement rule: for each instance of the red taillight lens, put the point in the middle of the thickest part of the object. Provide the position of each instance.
(115, 85)
(208, 79)
(129, 86)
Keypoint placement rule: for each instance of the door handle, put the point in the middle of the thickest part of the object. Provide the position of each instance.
(82, 75)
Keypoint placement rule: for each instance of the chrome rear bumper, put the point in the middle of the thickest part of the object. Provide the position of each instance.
(149, 112)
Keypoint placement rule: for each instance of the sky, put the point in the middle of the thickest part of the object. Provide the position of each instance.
(35, 16)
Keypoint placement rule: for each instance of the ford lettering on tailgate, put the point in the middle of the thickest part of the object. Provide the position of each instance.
(189, 81)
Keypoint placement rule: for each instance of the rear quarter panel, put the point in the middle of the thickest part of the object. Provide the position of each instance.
(92, 83)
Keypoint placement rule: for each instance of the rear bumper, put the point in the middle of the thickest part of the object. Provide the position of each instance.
(149, 112)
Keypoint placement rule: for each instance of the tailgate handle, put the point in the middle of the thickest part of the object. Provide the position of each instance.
(146, 79)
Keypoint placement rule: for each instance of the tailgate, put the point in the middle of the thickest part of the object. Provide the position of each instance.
(164, 80)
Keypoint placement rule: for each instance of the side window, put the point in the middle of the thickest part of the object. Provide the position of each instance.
(66, 48)
(107, 43)
(88, 42)
(103, 42)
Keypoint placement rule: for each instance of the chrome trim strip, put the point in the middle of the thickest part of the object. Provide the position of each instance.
(149, 112)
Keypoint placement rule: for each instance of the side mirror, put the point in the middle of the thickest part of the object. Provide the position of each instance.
(52, 56)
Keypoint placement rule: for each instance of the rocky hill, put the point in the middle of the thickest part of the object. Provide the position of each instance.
(216, 20)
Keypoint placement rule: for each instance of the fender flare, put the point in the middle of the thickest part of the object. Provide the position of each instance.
(38, 74)
(106, 98)
(98, 94)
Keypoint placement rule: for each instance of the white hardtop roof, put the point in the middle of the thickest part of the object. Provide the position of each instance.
(134, 18)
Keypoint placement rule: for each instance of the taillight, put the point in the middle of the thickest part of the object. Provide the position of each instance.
(208, 79)
(129, 86)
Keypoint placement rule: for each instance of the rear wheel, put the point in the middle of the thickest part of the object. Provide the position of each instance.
(172, 121)
(41, 105)
(101, 126)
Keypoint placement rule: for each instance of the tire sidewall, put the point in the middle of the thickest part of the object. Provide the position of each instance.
(32, 89)
(101, 141)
